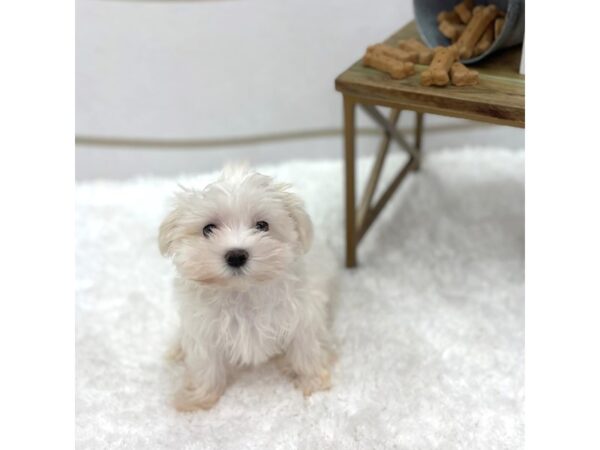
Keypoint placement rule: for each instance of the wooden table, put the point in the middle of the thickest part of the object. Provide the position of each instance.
(499, 98)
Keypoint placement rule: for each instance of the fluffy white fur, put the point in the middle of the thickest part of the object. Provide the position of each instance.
(233, 317)
(429, 329)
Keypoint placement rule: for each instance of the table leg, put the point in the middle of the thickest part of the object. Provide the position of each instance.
(349, 138)
(418, 139)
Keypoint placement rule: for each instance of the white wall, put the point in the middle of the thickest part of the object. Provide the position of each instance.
(197, 70)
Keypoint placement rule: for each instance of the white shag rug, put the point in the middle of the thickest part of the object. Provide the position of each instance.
(430, 327)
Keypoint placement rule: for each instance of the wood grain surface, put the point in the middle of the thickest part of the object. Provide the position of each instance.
(498, 98)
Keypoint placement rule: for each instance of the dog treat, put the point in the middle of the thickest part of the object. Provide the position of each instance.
(463, 10)
(462, 76)
(498, 24)
(485, 41)
(396, 69)
(393, 52)
(471, 28)
(475, 29)
(437, 72)
(451, 30)
(425, 54)
(448, 16)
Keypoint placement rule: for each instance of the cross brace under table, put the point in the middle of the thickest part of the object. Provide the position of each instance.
(359, 220)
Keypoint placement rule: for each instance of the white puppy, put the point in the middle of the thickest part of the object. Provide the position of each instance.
(244, 296)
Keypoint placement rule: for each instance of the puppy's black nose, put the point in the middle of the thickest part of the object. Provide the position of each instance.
(236, 257)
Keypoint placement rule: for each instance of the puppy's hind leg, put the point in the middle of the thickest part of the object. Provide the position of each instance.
(309, 357)
(175, 351)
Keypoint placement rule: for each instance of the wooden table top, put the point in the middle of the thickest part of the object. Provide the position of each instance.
(498, 98)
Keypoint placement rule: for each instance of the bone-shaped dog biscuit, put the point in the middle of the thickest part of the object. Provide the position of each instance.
(448, 16)
(393, 52)
(437, 72)
(396, 69)
(498, 24)
(475, 29)
(451, 30)
(462, 76)
(425, 54)
(485, 41)
(464, 10)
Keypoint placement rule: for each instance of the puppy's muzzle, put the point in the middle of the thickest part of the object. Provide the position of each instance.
(236, 257)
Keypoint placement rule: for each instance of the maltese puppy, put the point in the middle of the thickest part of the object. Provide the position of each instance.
(242, 286)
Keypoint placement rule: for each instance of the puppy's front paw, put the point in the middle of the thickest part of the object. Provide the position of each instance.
(313, 383)
(189, 399)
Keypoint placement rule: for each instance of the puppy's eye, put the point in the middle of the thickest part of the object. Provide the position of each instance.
(261, 225)
(208, 229)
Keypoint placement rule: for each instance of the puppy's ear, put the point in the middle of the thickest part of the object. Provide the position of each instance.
(304, 227)
(167, 232)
